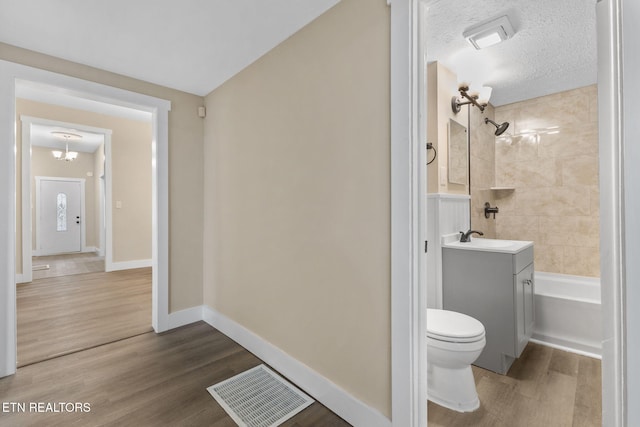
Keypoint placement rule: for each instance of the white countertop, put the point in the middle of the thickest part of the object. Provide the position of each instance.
(489, 245)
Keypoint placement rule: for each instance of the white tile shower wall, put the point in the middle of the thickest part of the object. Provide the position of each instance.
(446, 214)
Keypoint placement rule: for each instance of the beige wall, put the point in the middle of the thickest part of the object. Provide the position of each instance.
(44, 164)
(555, 175)
(131, 170)
(442, 85)
(185, 168)
(297, 199)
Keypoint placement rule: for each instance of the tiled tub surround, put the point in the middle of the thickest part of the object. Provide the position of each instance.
(483, 166)
(550, 156)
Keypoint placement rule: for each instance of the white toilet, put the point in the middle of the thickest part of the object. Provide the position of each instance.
(454, 342)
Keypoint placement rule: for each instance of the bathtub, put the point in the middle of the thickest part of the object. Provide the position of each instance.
(567, 313)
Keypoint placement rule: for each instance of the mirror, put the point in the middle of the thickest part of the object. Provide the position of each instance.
(458, 153)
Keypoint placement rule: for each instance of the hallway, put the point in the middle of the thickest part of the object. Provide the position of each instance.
(62, 315)
(146, 380)
(66, 264)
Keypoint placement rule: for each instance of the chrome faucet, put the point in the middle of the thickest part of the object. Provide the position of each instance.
(466, 237)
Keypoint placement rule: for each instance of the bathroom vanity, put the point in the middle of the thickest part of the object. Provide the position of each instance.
(493, 281)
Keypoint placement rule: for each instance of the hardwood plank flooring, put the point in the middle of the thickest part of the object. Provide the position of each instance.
(61, 315)
(146, 380)
(158, 380)
(66, 265)
(545, 387)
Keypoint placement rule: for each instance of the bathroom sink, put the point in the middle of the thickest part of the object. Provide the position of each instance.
(488, 243)
(491, 245)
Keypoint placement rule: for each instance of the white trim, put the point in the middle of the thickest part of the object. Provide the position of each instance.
(186, 317)
(8, 333)
(612, 222)
(107, 232)
(160, 220)
(629, 223)
(102, 198)
(12, 74)
(129, 265)
(48, 122)
(88, 249)
(27, 236)
(566, 345)
(320, 388)
(408, 214)
(83, 226)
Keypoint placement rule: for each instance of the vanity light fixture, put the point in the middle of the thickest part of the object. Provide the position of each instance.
(480, 98)
(67, 156)
(489, 33)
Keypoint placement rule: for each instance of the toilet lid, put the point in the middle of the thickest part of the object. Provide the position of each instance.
(451, 326)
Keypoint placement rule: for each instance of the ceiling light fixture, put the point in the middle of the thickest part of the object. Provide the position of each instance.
(489, 33)
(67, 156)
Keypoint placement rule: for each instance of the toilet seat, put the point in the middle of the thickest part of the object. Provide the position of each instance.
(450, 326)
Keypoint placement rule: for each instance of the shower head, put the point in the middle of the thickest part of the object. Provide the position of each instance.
(499, 128)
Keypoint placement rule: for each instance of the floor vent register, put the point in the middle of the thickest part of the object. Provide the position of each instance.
(259, 398)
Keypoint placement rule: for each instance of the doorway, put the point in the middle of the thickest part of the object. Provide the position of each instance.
(14, 76)
(610, 143)
(67, 179)
(91, 150)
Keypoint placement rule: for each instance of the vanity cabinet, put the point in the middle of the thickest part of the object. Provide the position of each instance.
(497, 288)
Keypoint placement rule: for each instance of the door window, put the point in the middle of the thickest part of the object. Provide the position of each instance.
(61, 210)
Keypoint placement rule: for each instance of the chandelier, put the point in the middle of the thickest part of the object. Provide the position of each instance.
(66, 155)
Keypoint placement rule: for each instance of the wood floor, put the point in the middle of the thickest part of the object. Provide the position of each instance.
(157, 380)
(545, 387)
(66, 264)
(60, 315)
(147, 380)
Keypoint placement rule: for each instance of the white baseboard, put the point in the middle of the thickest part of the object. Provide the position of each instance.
(38, 252)
(185, 317)
(20, 279)
(329, 394)
(128, 265)
(566, 345)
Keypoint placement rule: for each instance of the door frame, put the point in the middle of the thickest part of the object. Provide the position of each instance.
(38, 206)
(408, 214)
(618, 150)
(104, 216)
(12, 74)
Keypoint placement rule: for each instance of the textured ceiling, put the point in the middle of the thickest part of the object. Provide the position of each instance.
(195, 45)
(554, 48)
(190, 45)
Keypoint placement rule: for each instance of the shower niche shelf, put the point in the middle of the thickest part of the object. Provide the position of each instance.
(502, 188)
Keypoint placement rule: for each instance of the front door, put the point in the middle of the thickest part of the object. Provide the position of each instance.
(59, 227)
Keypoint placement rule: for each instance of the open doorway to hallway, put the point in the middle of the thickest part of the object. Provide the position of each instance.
(86, 219)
